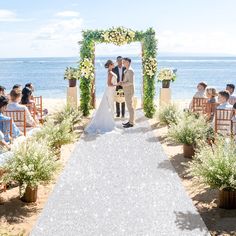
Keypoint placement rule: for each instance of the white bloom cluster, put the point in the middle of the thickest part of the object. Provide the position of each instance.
(150, 66)
(118, 36)
(87, 68)
(166, 74)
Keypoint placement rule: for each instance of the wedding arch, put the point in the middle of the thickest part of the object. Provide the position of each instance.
(118, 36)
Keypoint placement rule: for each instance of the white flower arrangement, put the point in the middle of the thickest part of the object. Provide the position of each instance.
(118, 36)
(120, 96)
(86, 68)
(150, 66)
(71, 73)
(166, 74)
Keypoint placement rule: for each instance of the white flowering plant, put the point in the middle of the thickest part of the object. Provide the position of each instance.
(150, 66)
(118, 36)
(31, 163)
(71, 73)
(166, 74)
(86, 69)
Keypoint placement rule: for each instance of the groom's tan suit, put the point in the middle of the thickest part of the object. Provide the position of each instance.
(128, 87)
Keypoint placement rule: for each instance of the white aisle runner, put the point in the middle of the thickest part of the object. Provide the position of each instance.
(119, 184)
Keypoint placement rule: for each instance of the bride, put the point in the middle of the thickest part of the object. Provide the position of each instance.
(103, 120)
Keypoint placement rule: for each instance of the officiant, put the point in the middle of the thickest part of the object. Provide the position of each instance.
(119, 71)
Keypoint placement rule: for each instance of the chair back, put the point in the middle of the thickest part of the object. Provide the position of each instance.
(198, 105)
(39, 106)
(210, 109)
(223, 121)
(6, 128)
(32, 109)
(19, 118)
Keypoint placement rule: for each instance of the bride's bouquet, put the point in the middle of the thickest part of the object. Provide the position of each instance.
(120, 96)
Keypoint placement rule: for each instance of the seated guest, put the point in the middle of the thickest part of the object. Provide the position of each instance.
(29, 86)
(234, 120)
(15, 131)
(26, 96)
(2, 90)
(232, 98)
(17, 86)
(223, 99)
(201, 90)
(15, 95)
(211, 95)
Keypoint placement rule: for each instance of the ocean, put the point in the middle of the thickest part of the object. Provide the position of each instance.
(47, 74)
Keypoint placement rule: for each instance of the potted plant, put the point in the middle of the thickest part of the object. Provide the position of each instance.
(31, 163)
(188, 131)
(165, 76)
(71, 74)
(215, 166)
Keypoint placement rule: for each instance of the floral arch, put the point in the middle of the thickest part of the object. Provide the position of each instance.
(118, 36)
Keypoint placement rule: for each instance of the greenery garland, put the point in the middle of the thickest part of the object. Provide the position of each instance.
(118, 36)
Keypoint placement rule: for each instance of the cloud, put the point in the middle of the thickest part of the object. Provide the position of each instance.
(6, 15)
(68, 14)
(197, 42)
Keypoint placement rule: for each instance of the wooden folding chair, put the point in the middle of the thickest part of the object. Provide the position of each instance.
(19, 118)
(32, 109)
(6, 127)
(210, 109)
(223, 121)
(39, 106)
(198, 105)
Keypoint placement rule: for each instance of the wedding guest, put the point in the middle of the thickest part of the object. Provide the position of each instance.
(223, 99)
(211, 95)
(119, 71)
(29, 86)
(201, 90)
(232, 98)
(27, 96)
(17, 86)
(2, 90)
(201, 93)
(15, 95)
(15, 131)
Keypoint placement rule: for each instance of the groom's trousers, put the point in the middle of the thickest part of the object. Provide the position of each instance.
(129, 104)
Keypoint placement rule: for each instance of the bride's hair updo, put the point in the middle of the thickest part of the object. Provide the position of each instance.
(108, 63)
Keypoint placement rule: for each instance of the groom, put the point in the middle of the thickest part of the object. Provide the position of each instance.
(128, 87)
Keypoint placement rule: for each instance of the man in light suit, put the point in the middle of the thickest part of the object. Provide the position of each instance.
(128, 87)
(119, 71)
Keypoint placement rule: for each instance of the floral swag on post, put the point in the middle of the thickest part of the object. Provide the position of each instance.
(118, 36)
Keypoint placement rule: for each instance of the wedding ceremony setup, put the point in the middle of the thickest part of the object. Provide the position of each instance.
(116, 125)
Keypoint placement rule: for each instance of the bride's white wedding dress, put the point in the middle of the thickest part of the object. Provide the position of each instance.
(103, 120)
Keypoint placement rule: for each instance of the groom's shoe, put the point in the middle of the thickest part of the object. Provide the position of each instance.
(125, 123)
(128, 126)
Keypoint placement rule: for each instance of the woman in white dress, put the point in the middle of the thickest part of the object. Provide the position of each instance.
(103, 120)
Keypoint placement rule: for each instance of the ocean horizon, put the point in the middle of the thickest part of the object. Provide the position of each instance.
(46, 73)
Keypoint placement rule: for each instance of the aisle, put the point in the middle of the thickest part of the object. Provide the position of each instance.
(119, 183)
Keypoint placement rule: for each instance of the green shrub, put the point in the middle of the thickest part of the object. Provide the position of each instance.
(216, 165)
(31, 163)
(189, 130)
(56, 135)
(169, 114)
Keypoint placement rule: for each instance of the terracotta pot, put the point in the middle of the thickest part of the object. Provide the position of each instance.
(188, 150)
(72, 82)
(165, 83)
(227, 199)
(30, 194)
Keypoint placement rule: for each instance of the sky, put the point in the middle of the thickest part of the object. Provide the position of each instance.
(52, 28)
